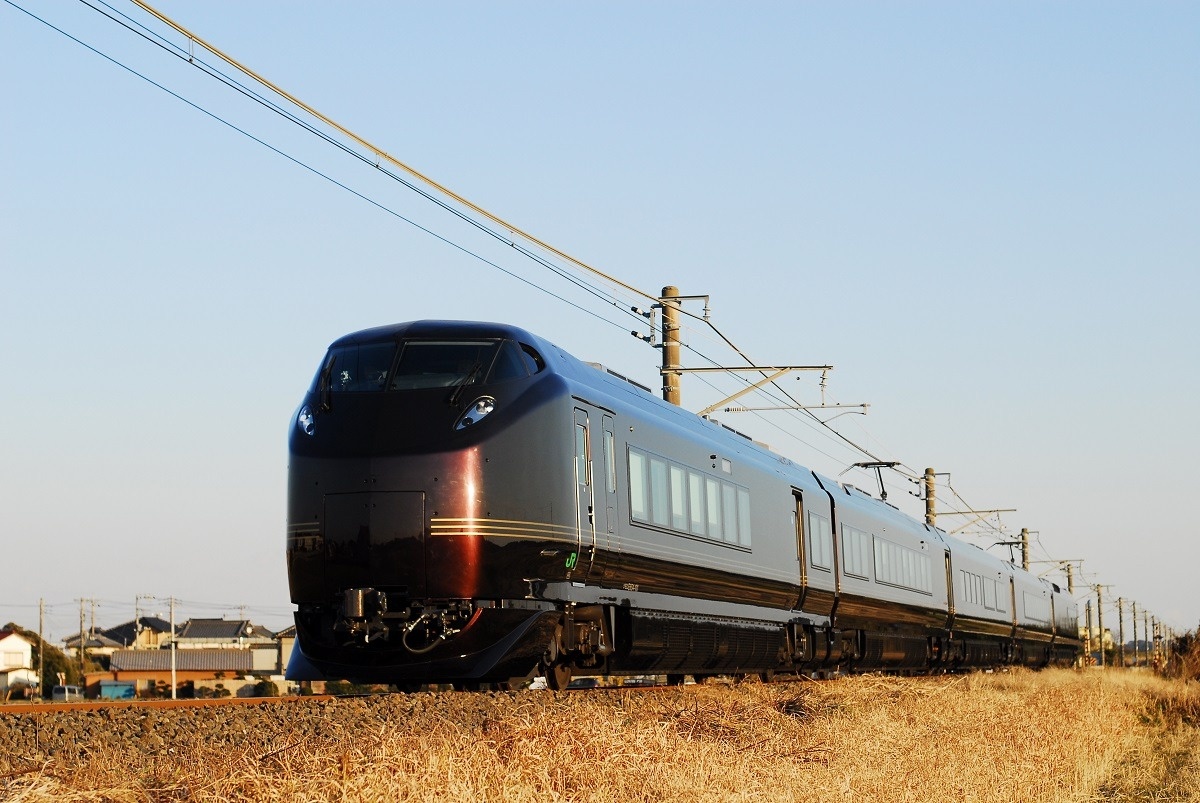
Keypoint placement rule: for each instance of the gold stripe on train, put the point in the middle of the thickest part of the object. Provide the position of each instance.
(501, 528)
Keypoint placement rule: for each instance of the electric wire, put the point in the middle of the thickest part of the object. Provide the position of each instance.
(314, 170)
(232, 83)
(211, 71)
(607, 297)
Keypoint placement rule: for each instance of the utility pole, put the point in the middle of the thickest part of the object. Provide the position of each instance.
(930, 498)
(1121, 631)
(41, 641)
(82, 639)
(1088, 619)
(1149, 640)
(1100, 619)
(172, 648)
(670, 345)
(1135, 638)
(1070, 579)
(1025, 551)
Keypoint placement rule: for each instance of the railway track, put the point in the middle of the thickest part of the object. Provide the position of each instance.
(19, 709)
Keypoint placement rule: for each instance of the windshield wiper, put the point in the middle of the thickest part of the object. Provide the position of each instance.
(323, 383)
(466, 380)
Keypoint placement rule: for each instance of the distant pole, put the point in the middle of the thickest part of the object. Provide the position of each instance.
(670, 345)
(1121, 631)
(172, 648)
(1100, 619)
(1146, 628)
(1025, 550)
(41, 642)
(1088, 618)
(1070, 579)
(1154, 639)
(1135, 640)
(930, 498)
(81, 639)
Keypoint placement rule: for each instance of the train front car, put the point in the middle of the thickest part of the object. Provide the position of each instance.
(409, 552)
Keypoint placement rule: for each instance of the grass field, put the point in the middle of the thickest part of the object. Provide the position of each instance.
(1020, 736)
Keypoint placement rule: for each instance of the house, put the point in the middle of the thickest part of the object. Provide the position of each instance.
(143, 633)
(232, 654)
(238, 634)
(287, 642)
(16, 662)
(150, 670)
(97, 646)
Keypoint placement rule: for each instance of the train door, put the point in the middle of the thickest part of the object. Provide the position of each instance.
(585, 552)
(606, 525)
(801, 552)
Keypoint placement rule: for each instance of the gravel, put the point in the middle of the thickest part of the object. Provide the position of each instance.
(75, 735)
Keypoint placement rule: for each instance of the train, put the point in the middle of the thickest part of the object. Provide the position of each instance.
(469, 504)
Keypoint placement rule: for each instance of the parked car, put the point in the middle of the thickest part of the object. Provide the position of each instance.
(66, 694)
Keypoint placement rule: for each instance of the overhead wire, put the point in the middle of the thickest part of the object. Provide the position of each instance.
(219, 75)
(379, 205)
(257, 97)
(421, 184)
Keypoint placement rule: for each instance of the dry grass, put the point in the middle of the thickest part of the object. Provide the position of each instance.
(1051, 736)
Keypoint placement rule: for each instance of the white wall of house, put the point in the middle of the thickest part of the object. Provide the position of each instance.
(15, 652)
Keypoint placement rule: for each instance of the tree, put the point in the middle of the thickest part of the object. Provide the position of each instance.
(266, 688)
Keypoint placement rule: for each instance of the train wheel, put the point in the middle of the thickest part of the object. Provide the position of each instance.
(557, 674)
(768, 676)
(674, 680)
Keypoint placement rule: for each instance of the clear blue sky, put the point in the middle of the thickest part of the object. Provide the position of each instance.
(985, 215)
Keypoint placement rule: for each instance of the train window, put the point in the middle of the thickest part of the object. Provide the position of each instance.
(359, 368)
(743, 516)
(533, 360)
(637, 486)
(989, 593)
(900, 566)
(508, 364)
(855, 552)
(1037, 609)
(678, 499)
(696, 502)
(820, 542)
(610, 460)
(729, 507)
(712, 495)
(670, 496)
(658, 492)
(581, 455)
(443, 363)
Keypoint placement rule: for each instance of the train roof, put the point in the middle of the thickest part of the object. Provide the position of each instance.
(437, 328)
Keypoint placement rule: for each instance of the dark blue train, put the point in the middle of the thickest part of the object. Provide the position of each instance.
(468, 503)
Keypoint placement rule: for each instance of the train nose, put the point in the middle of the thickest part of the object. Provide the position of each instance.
(375, 540)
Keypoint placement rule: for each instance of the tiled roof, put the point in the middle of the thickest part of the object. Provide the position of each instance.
(185, 661)
(125, 634)
(92, 641)
(227, 629)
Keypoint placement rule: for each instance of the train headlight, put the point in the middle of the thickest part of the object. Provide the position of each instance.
(476, 412)
(306, 421)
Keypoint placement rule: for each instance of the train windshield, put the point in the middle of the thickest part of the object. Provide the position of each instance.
(425, 364)
(443, 363)
(357, 368)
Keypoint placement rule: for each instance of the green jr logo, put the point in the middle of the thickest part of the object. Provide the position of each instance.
(571, 560)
